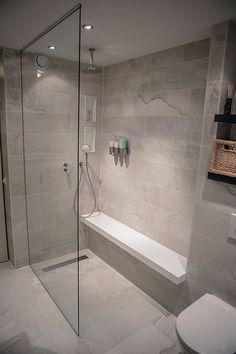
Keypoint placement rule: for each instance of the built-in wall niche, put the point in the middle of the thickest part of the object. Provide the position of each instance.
(90, 108)
(90, 138)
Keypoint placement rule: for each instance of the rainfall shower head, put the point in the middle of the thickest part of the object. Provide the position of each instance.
(91, 69)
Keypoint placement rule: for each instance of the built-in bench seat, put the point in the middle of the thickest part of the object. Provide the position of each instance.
(165, 261)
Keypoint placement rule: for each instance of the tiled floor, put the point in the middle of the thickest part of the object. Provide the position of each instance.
(115, 316)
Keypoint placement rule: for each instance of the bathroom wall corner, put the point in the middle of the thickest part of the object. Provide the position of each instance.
(211, 261)
(12, 150)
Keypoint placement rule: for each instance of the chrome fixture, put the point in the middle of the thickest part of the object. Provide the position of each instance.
(87, 27)
(91, 69)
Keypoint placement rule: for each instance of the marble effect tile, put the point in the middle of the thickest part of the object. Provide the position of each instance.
(148, 337)
(154, 60)
(50, 106)
(124, 85)
(31, 323)
(163, 120)
(219, 35)
(197, 50)
(187, 75)
(174, 129)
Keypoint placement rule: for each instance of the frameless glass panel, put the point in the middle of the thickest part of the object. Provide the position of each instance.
(50, 117)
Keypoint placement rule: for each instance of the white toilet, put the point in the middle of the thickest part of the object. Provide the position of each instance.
(208, 326)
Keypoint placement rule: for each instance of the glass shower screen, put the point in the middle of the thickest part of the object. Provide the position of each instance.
(50, 98)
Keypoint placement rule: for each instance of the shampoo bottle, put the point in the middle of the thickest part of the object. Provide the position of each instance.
(117, 145)
(112, 145)
(123, 145)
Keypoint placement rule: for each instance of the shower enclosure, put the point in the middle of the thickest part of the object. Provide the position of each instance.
(50, 72)
(65, 145)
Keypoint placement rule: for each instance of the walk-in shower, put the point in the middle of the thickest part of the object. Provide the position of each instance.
(50, 75)
(109, 211)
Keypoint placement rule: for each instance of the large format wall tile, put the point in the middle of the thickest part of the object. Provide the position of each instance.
(231, 34)
(197, 50)
(229, 73)
(186, 75)
(150, 61)
(174, 129)
(157, 101)
(119, 125)
(211, 261)
(50, 137)
(178, 154)
(179, 203)
(123, 85)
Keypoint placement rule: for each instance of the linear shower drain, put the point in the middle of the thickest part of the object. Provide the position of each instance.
(65, 263)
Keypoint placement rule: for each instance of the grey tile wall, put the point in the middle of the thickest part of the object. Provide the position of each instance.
(50, 126)
(157, 101)
(12, 143)
(211, 260)
(50, 112)
(4, 148)
(166, 180)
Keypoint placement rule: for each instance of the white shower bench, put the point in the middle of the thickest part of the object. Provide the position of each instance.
(165, 261)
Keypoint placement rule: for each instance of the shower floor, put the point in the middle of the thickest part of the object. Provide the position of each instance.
(115, 316)
(112, 309)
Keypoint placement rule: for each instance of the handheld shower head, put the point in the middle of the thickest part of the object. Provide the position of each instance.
(85, 148)
(84, 169)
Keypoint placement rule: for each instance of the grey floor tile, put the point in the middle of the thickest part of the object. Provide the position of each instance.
(147, 340)
(112, 311)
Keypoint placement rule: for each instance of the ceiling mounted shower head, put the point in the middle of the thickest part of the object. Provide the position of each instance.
(91, 69)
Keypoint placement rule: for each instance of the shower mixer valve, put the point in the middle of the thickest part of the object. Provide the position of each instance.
(66, 167)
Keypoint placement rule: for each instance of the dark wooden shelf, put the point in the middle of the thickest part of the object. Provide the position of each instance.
(225, 118)
(221, 178)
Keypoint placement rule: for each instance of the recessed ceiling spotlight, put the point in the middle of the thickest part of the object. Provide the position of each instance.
(87, 27)
(51, 47)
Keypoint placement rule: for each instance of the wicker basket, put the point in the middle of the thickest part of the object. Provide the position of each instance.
(223, 158)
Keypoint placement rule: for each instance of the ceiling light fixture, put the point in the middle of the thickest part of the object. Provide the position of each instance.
(51, 47)
(87, 27)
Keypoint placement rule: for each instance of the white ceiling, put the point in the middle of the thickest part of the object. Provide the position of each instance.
(124, 29)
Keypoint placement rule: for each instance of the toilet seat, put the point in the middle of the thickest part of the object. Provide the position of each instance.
(208, 326)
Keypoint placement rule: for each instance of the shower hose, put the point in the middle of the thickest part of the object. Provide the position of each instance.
(82, 165)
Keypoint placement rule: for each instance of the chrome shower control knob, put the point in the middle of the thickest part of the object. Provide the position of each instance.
(66, 167)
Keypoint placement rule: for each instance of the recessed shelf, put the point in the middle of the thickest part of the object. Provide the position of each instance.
(221, 178)
(225, 118)
(90, 108)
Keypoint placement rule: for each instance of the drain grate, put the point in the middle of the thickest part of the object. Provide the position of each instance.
(65, 263)
(81, 258)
